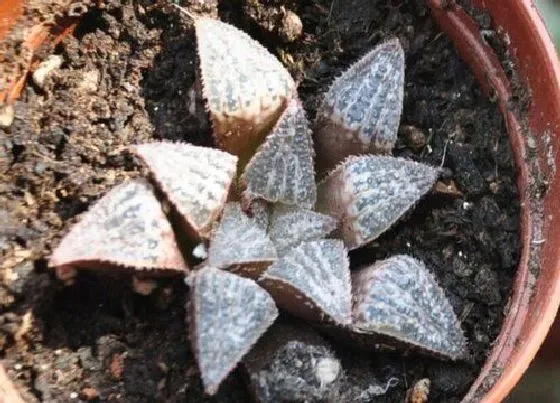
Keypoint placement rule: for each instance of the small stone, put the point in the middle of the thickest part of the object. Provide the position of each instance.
(195, 180)
(239, 245)
(7, 115)
(200, 251)
(399, 301)
(245, 86)
(228, 315)
(90, 81)
(46, 68)
(292, 27)
(361, 111)
(419, 392)
(293, 363)
(282, 169)
(88, 394)
(368, 194)
(125, 230)
(312, 281)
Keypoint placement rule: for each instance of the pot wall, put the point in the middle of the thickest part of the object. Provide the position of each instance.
(535, 140)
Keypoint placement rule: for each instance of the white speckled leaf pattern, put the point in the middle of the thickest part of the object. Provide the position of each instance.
(245, 86)
(282, 169)
(127, 228)
(401, 298)
(229, 314)
(314, 276)
(369, 193)
(238, 240)
(260, 213)
(290, 226)
(361, 111)
(196, 180)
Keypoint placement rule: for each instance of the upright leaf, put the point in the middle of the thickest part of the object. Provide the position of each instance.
(282, 169)
(361, 111)
(245, 86)
(228, 315)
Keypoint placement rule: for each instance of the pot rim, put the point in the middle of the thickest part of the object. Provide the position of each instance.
(537, 63)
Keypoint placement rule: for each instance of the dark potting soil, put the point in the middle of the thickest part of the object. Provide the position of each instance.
(125, 79)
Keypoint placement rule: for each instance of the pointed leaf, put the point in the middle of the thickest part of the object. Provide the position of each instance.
(370, 193)
(312, 281)
(228, 315)
(361, 111)
(282, 169)
(245, 86)
(238, 244)
(125, 229)
(196, 180)
(290, 226)
(399, 298)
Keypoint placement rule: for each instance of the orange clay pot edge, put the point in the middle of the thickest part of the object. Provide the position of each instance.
(542, 71)
(529, 319)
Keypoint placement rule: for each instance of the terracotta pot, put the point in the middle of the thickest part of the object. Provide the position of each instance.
(536, 293)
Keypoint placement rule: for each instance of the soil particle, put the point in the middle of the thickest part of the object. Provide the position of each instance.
(89, 394)
(126, 78)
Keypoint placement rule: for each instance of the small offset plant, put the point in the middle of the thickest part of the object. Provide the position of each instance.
(272, 238)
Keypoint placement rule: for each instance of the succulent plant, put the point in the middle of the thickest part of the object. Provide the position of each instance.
(285, 243)
(361, 111)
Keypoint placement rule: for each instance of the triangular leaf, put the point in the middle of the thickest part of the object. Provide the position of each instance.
(290, 226)
(228, 315)
(238, 244)
(312, 281)
(399, 298)
(361, 111)
(125, 229)
(196, 180)
(370, 193)
(282, 169)
(245, 86)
